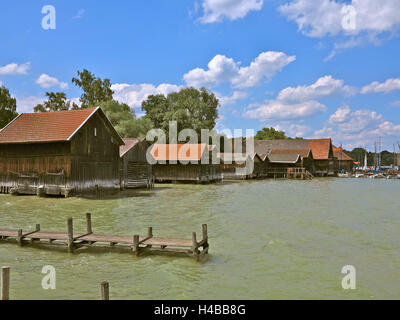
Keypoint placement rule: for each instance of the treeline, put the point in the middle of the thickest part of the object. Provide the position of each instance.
(358, 154)
(190, 107)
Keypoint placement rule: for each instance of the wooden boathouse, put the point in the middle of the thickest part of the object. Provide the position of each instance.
(60, 153)
(184, 163)
(322, 162)
(343, 161)
(233, 166)
(136, 172)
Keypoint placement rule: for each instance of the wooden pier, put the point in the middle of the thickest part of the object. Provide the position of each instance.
(137, 244)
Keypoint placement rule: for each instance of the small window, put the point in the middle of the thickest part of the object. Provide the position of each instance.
(95, 132)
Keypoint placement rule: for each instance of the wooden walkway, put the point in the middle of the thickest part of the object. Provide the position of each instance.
(137, 244)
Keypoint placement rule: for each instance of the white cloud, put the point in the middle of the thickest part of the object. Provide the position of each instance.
(318, 18)
(282, 111)
(222, 69)
(341, 115)
(217, 10)
(358, 128)
(386, 87)
(134, 94)
(14, 68)
(228, 100)
(300, 102)
(323, 87)
(368, 19)
(1, 83)
(27, 104)
(46, 81)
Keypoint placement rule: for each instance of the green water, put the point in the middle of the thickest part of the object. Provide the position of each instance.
(268, 240)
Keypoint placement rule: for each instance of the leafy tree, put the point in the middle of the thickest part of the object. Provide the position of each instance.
(57, 101)
(8, 107)
(270, 134)
(273, 134)
(123, 118)
(191, 108)
(95, 90)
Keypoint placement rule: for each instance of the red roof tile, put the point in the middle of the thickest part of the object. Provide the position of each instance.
(44, 126)
(178, 152)
(129, 144)
(320, 148)
(341, 155)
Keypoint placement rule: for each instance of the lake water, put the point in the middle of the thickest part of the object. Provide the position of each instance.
(270, 239)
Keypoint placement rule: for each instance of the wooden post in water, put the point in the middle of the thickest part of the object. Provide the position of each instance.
(194, 247)
(149, 232)
(205, 235)
(5, 283)
(105, 295)
(136, 244)
(19, 239)
(89, 223)
(70, 231)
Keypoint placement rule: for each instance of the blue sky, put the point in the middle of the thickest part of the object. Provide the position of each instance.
(303, 66)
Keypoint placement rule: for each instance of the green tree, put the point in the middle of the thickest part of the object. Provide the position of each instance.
(270, 134)
(95, 90)
(123, 118)
(57, 101)
(191, 108)
(8, 107)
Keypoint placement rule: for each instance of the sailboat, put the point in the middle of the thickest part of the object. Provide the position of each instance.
(365, 168)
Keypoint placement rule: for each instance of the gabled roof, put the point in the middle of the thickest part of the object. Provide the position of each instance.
(49, 126)
(304, 153)
(320, 148)
(237, 157)
(129, 144)
(178, 152)
(341, 155)
(284, 158)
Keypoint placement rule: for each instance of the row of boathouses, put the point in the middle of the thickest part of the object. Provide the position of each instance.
(79, 151)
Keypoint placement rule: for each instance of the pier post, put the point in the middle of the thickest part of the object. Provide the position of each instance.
(89, 223)
(136, 244)
(195, 247)
(149, 232)
(70, 235)
(105, 295)
(5, 283)
(205, 235)
(19, 239)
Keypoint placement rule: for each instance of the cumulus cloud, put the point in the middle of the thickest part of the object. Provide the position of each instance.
(357, 128)
(15, 68)
(323, 87)
(222, 69)
(386, 87)
(46, 81)
(134, 94)
(217, 10)
(318, 18)
(300, 102)
(228, 100)
(26, 104)
(361, 20)
(282, 111)
(341, 115)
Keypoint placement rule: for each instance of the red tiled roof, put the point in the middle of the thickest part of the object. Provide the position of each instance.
(320, 148)
(44, 126)
(129, 144)
(341, 155)
(178, 152)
